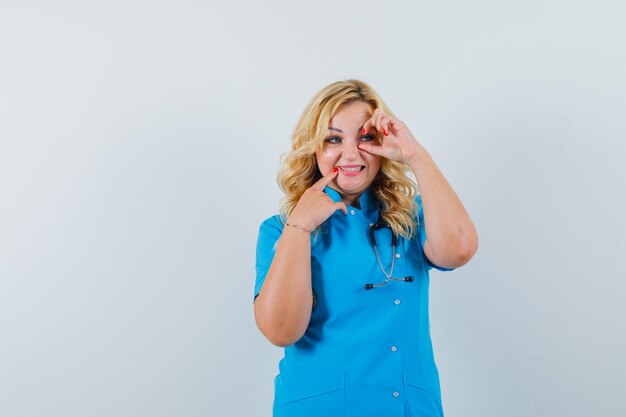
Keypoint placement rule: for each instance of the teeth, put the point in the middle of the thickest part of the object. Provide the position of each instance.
(355, 169)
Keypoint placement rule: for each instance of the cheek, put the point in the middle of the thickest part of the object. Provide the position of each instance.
(326, 157)
(375, 162)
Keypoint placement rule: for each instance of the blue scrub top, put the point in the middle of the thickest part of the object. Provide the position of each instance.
(364, 353)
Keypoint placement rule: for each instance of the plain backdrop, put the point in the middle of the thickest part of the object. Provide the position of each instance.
(139, 145)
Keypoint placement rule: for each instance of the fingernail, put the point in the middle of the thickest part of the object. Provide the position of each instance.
(362, 131)
(385, 132)
(335, 169)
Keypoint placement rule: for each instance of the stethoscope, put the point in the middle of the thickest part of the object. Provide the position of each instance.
(380, 224)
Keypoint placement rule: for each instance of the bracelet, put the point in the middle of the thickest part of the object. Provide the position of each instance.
(297, 226)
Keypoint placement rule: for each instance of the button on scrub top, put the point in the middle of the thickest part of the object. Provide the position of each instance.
(364, 353)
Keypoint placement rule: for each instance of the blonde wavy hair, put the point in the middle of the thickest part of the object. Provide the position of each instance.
(392, 188)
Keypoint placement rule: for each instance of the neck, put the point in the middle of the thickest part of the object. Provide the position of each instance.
(351, 200)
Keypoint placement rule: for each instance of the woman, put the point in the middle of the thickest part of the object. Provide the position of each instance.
(342, 272)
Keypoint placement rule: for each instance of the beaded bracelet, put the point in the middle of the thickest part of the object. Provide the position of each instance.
(297, 226)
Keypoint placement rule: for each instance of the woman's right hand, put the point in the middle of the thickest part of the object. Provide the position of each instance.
(315, 206)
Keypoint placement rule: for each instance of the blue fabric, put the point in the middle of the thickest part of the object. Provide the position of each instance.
(364, 353)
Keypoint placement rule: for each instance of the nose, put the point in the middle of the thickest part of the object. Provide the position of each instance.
(350, 151)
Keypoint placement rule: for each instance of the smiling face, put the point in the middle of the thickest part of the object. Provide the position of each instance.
(357, 168)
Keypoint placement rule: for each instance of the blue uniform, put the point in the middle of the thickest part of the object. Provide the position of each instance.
(364, 353)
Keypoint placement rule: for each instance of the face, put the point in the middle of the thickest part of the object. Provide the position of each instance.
(357, 168)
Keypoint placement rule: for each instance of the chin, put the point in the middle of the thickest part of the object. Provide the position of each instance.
(353, 190)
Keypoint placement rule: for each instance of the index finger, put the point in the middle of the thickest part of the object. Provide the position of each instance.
(326, 179)
(369, 123)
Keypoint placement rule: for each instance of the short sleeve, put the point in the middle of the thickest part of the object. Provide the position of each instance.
(422, 235)
(269, 233)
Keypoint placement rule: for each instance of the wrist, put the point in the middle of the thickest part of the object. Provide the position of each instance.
(301, 223)
(299, 227)
(419, 155)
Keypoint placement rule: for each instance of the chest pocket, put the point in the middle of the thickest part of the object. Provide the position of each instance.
(311, 397)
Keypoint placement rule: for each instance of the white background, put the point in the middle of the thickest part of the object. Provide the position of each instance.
(139, 143)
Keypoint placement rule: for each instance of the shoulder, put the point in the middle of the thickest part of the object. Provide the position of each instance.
(272, 226)
(274, 222)
(269, 232)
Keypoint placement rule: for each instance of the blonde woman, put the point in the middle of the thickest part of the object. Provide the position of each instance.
(342, 271)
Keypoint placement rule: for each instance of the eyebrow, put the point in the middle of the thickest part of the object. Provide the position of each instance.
(335, 129)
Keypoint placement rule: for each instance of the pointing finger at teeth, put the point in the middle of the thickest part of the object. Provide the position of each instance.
(326, 179)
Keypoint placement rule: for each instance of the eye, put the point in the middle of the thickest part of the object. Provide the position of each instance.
(333, 139)
(367, 138)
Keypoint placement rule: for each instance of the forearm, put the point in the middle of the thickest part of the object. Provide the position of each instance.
(451, 235)
(283, 306)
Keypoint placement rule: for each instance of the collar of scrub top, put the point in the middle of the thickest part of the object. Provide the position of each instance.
(369, 206)
(367, 201)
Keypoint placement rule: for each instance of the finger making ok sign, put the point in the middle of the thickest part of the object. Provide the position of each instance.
(398, 143)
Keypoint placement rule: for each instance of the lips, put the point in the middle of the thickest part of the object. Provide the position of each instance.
(351, 170)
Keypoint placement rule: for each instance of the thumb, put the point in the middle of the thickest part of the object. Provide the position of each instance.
(370, 148)
(341, 206)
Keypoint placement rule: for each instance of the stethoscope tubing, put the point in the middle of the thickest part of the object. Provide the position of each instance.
(388, 276)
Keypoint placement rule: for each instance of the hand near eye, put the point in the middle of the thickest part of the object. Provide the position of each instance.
(398, 143)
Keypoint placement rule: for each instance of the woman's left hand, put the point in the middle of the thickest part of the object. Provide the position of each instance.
(398, 143)
(452, 238)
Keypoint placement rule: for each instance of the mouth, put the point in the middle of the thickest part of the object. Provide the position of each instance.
(351, 170)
